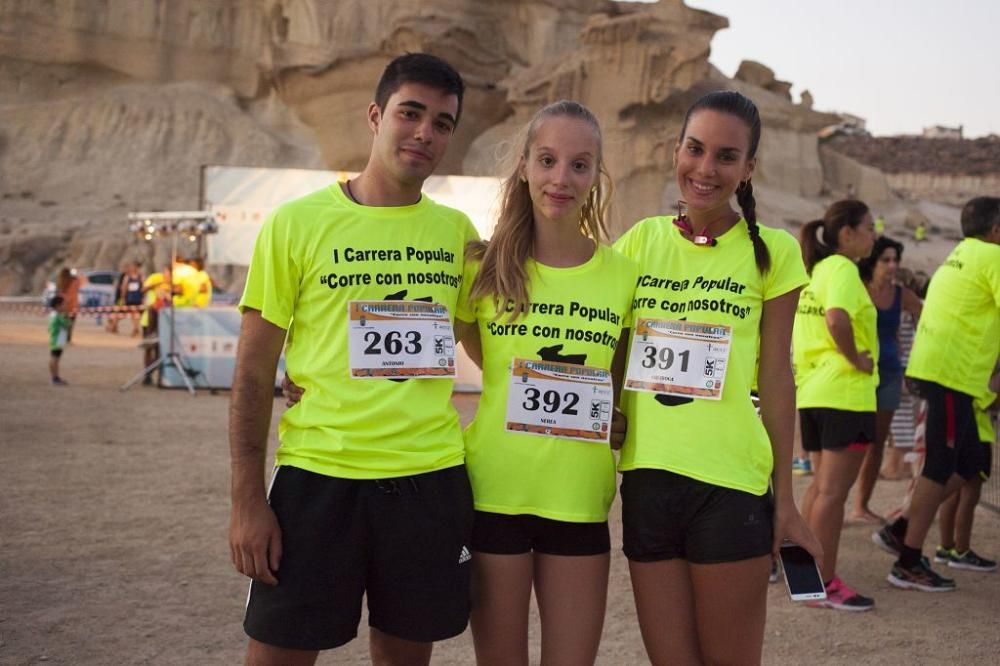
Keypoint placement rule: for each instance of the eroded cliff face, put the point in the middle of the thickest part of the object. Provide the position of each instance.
(639, 68)
(111, 105)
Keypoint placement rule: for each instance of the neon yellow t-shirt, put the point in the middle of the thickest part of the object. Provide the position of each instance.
(719, 442)
(577, 315)
(313, 256)
(203, 282)
(984, 420)
(186, 277)
(956, 339)
(156, 289)
(823, 376)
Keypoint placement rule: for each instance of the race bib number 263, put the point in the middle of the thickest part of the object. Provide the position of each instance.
(390, 339)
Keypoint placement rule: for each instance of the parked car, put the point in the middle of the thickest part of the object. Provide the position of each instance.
(97, 287)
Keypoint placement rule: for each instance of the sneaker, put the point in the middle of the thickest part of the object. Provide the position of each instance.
(970, 561)
(840, 596)
(59, 381)
(943, 555)
(920, 577)
(801, 466)
(886, 540)
(774, 572)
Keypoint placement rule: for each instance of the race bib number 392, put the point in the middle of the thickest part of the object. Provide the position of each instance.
(681, 358)
(390, 339)
(559, 400)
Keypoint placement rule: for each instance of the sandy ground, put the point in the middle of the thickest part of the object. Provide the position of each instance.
(114, 510)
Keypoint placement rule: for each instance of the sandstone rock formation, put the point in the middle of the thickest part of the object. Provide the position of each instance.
(113, 105)
(763, 77)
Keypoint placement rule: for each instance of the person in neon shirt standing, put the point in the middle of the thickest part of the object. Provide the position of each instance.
(370, 497)
(836, 349)
(156, 292)
(545, 288)
(954, 354)
(186, 283)
(700, 528)
(203, 283)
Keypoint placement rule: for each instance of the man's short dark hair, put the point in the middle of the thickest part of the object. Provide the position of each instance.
(56, 301)
(979, 216)
(419, 68)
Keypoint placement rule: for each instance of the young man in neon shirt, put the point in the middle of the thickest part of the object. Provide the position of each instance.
(370, 495)
(954, 354)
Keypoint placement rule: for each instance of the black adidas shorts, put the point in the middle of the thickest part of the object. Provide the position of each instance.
(501, 534)
(667, 516)
(403, 542)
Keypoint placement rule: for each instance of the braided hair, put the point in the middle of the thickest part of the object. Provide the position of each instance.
(741, 106)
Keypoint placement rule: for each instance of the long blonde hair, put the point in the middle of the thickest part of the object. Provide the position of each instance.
(503, 272)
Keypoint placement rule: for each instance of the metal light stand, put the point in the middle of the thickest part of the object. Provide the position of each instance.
(147, 230)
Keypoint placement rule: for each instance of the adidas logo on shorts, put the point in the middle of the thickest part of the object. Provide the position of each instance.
(464, 556)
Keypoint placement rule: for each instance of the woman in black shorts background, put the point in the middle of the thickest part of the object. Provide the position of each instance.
(836, 348)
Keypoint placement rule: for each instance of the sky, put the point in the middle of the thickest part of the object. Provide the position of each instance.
(901, 65)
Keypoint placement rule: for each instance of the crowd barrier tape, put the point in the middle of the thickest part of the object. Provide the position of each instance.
(34, 307)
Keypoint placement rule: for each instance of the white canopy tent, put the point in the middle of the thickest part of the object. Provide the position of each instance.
(241, 198)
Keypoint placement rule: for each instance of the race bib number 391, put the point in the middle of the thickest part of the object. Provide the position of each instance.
(681, 358)
(559, 400)
(390, 339)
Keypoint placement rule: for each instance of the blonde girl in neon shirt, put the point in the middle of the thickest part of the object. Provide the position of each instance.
(700, 528)
(545, 287)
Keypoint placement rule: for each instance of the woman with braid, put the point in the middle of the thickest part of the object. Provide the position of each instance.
(715, 286)
(836, 372)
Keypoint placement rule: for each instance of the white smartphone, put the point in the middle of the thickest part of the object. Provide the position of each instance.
(802, 577)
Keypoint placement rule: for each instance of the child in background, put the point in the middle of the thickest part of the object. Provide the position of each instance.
(59, 325)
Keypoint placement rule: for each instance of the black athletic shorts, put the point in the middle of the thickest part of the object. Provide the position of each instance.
(667, 516)
(500, 534)
(952, 437)
(404, 542)
(825, 429)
